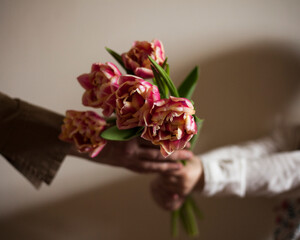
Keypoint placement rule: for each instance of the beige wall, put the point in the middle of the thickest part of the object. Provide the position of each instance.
(248, 52)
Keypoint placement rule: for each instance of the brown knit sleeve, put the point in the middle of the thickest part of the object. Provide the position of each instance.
(29, 139)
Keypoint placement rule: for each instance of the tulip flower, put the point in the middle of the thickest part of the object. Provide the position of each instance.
(84, 129)
(135, 98)
(170, 124)
(100, 86)
(136, 59)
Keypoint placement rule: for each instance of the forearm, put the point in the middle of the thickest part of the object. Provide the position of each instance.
(274, 175)
(106, 156)
(261, 176)
(252, 168)
(29, 139)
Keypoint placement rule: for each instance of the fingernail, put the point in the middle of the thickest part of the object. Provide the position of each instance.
(178, 166)
(175, 196)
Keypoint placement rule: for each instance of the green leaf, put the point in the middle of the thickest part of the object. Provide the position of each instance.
(154, 81)
(165, 77)
(188, 86)
(168, 69)
(118, 58)
(160, 84)
(168, 72)
(199, 123)
(164, 63)
(115, 134)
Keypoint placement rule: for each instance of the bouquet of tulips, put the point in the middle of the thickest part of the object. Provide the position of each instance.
(155, 110)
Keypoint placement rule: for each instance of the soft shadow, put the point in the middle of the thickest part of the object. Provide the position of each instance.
(124, 210)
(242, 93)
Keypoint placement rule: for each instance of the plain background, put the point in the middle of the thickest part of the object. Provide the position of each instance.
(249, 56)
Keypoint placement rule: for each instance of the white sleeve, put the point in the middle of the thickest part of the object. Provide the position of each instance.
(266, 167)
(261, 176)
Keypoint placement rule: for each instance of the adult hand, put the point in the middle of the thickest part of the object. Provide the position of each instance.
(170, 189)
(139, 156)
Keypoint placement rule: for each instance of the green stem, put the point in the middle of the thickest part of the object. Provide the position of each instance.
(174, 223)
(191, 217)
(184, 219)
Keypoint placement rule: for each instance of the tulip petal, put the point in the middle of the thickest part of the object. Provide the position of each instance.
(100, 85)
(84, 129)
(84, 81)
(136, 59)
(143, 72)
(134, 99)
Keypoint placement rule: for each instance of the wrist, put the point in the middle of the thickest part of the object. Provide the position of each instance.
(201, 180)
(102, 157)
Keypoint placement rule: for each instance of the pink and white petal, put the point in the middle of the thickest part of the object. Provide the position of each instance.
(107, 72)
(96, 151)
(165, 149)
(108, 110)
(132, 64)
(84, 81)
(143, 72)
(190, 125)
(147, 134)
(96, 67)
(90, 99)
(159, 51)
(115, 68)
(127, 78)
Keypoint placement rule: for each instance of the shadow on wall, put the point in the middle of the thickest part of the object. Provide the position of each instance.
(241, 93)
(125, 211)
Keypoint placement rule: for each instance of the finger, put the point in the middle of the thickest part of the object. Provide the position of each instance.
(137, 169)
(151, 154)
(169, 201)
(175, 204)
(169, 179)
(180, 155)
(147, 144)
(158, 167)
(155, 154)
(177, 187)
(172, 189)
(159, 195)
(188, 146)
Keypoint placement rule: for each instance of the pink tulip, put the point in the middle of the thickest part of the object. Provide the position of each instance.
(137, 60)
(100, 85)
(135, 98)
(171, 124)
(83, 129)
